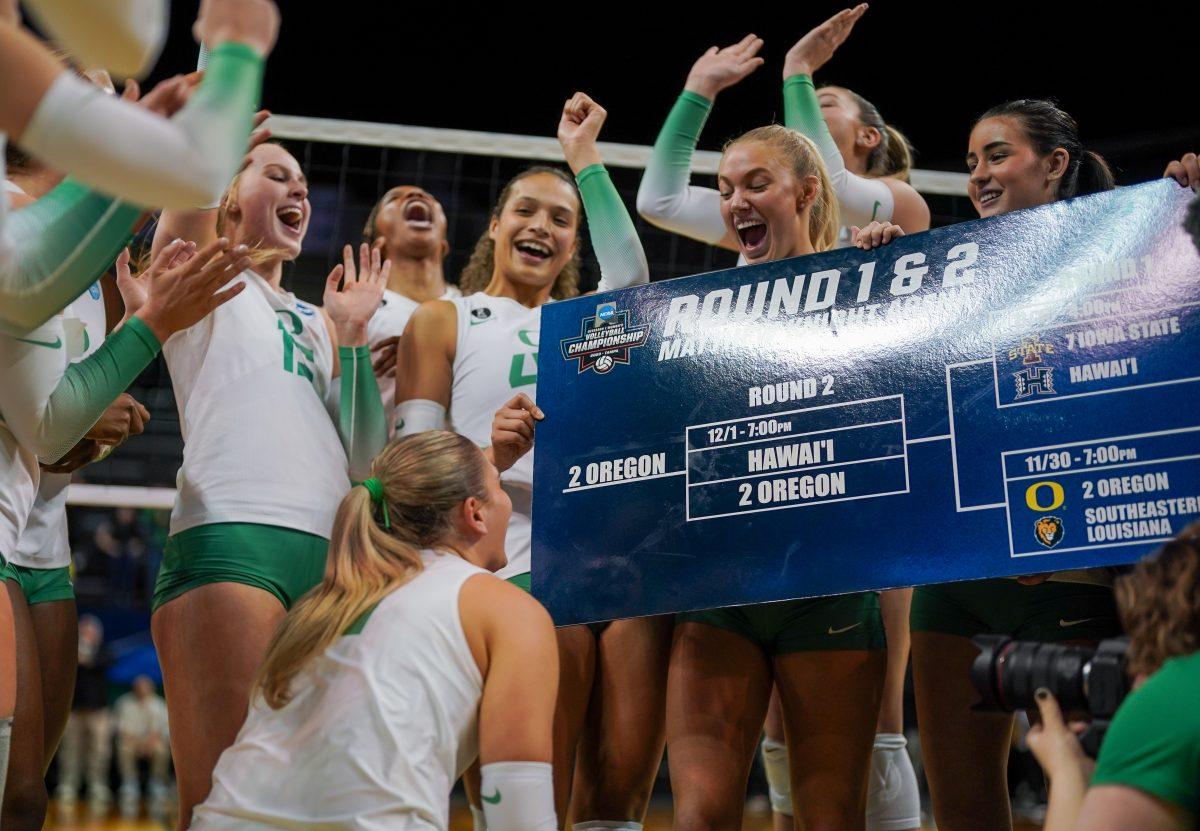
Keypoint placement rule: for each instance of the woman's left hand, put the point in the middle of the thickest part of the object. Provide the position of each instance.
(875, 234)
(1186, 171)
(1055, 743)
(351, 306)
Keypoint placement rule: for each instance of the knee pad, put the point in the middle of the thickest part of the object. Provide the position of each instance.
(779, 775)
(893, 797)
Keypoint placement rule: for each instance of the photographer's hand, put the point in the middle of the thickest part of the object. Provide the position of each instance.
(1056, 746)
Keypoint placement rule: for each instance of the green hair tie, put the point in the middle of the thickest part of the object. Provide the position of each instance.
(375, 488)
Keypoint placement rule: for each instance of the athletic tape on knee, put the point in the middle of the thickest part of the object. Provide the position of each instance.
(518, 796)
(893, 796)
(779, 776)
(5, 737)
(478, 820)
(607, 825)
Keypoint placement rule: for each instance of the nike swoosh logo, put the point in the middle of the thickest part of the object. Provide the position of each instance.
(1065, 623)
(475, 322)
(875, 210)
(833, 631)
(491, 800)
(57, 342)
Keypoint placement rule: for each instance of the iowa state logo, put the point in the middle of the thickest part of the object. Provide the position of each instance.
(605, 339)
(1048, 530)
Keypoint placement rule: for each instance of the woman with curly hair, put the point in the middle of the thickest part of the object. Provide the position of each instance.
(1148, 773)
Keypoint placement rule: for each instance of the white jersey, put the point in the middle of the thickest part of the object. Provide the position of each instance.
(378, 729)
(38, 356)
(390, 321)
(44, 542)
(259, 446)
(496, 358)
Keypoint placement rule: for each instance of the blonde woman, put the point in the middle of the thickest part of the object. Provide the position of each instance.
(825, 656)
(407, 661)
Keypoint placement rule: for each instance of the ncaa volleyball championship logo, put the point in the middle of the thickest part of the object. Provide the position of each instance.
(605, 339)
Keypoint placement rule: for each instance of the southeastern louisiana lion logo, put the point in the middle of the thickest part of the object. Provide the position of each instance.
(1048, 530)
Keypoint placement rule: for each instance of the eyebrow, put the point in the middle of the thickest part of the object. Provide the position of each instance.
(284, 170)
(752, 172)
(987, 148)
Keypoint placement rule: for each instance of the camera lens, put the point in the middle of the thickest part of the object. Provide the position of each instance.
(1007, 673)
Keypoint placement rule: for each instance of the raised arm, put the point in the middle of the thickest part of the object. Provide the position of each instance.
(184, 162)
(509, 632)
(614, 238)
(49, 406)
(425, 368)
(352, 295)
(666, 198)
(861, 199)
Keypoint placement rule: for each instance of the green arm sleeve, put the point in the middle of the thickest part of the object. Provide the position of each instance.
(131, 153)
(665, 196)
(58, 246)
(802, 113)
(50, 426)
(614, 239)
(362, 422)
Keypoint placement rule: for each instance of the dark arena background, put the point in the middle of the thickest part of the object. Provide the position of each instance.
(457, 99)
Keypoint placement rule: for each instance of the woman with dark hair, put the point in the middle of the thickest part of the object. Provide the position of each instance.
(462, 359)
(1020, 154)
(408, 225)
(1148, 773)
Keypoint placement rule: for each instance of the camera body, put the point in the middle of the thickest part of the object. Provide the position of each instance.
(1008, 672)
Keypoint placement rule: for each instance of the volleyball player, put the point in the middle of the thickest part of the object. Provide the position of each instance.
(409, 225)
(48, 406)
(407, 662)
(462, 359)
(1020, 154)
(868, 162)
(264, 463)
(71, 126)
(824, 656)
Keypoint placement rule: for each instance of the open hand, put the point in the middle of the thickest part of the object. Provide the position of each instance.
(719, 69)
(351, 306)
(814, 50)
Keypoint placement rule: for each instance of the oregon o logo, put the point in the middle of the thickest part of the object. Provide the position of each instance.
(1036, 492)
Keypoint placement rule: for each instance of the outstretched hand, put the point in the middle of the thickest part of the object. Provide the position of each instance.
(814, 50)
(352, 296)
(578, 129)
(719, 69)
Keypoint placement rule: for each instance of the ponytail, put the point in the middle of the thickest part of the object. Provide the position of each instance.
(418, 482)
(1094, 174)
(893, 156)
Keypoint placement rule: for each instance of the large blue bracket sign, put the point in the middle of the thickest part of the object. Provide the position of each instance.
(1006, 396)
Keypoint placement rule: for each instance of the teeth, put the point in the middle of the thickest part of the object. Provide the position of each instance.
(533, 248)
(291, 215)
(748, 223)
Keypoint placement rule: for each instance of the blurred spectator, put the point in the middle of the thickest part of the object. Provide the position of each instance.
(89, 731)
(141, 717)
(123, 539)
